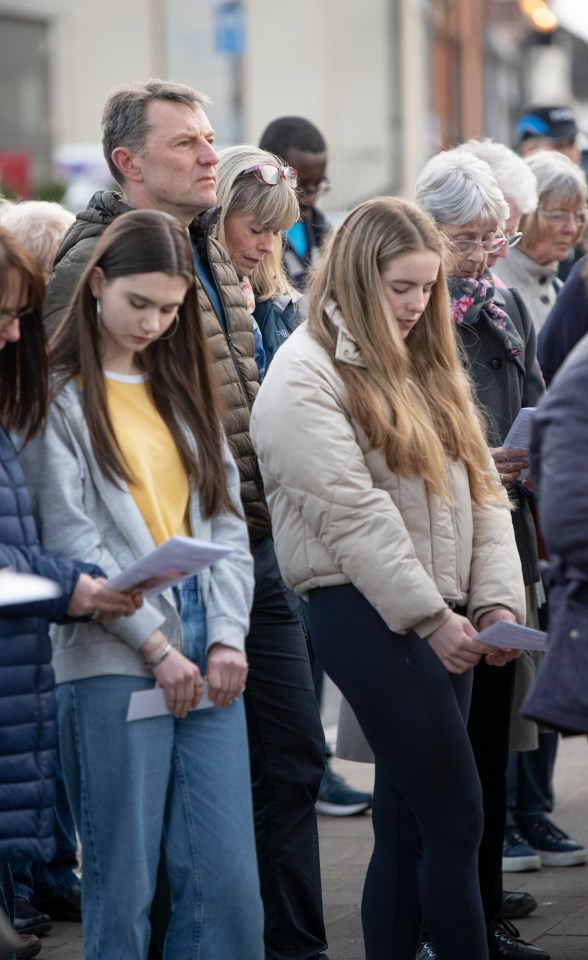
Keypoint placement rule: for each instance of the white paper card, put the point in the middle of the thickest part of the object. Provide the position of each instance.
(151, 703)
(519, 434)
(175, 560)
(25, 587)
(513, 635)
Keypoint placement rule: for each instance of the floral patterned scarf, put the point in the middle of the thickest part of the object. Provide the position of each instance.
(469, 298)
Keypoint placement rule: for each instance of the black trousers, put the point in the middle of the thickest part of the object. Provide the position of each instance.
(427, 813)
(287, 746)
(489, 730)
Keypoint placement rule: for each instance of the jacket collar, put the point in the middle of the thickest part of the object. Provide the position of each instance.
(201, 226)
(120, 503)
(346, 350)
(523, 267)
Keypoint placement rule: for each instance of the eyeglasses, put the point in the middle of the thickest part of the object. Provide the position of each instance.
(510, 241)
(514, 239)
(7, 319)
(560, 217)
(271, 174)
(317, 191)
(465, 247)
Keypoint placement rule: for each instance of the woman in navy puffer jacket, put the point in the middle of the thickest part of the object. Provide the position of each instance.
(28, 733)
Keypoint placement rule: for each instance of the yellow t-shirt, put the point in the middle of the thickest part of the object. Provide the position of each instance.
(161, 489)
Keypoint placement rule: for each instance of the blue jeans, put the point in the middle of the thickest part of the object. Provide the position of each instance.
(530, 781)
(186, 781)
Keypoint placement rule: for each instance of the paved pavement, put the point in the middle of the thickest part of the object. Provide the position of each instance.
(559, 925)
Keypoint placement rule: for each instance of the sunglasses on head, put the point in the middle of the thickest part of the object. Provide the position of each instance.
(271, 174)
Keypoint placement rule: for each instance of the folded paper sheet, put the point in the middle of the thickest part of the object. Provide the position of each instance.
(175, 560)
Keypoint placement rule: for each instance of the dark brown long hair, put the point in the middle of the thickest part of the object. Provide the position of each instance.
(23, 365)
(179, 371)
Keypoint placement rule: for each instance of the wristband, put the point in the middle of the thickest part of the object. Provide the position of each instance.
(152, 664)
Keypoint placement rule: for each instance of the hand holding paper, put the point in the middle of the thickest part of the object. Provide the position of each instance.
(513, 636)
(518, 437)
(499, 656)
(519, 434)
(175, 560)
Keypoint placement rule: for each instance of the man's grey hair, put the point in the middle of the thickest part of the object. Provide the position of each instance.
(124, 118)
(455, 187)
(512, 174)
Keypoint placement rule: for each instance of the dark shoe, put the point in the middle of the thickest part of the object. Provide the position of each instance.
(426, 951)
(27, 919)
(514, 906)
(505, 942)
(517, 854)
(27, 946)
(337, 799)
(64, 906)
(555, 847)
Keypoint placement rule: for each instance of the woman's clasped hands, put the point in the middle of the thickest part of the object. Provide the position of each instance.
(456, 646)
(182, 681)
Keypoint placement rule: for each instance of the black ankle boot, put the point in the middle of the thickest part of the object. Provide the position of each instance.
(504, 943)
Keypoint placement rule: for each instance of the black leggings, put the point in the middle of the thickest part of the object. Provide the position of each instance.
(427, 810)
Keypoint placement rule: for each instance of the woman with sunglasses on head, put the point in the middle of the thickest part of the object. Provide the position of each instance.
(134, 453)
(257, 192)
(549, 232)
(389, 517)
(27, 707)
(460, 193)
(301, 145)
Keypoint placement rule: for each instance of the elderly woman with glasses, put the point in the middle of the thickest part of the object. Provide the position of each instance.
(518, 186)
(460, 193)
(257, 192)
(549, 233)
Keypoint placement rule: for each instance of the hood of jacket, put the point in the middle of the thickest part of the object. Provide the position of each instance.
(102, 209)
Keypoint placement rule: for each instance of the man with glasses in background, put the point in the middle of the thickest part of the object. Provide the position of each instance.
(300, 144)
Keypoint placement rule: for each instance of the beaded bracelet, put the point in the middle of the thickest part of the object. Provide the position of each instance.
(151, 664)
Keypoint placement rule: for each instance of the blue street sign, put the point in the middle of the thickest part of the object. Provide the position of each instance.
(229, 28)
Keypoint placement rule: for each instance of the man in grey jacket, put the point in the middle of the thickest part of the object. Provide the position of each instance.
(158, 143)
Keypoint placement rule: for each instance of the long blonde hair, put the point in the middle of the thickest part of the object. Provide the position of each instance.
(273, 206)
(413, 398)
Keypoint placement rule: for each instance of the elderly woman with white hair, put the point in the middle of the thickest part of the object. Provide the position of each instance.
(518, 187)
(40, 226)
(549, 232)
(460, 192)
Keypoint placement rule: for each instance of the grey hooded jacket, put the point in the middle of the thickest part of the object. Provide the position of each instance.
(82, 514)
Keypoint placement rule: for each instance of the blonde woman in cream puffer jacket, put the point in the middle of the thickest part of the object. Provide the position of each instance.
(389, 517)
(340, 515)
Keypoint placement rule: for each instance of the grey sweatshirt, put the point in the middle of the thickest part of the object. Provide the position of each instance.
(83, 515)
